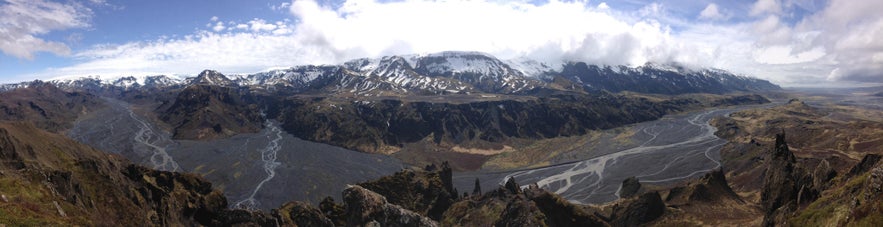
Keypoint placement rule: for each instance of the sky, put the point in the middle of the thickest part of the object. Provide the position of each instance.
(794, 43)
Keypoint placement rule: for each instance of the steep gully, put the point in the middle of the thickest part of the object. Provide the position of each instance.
(664, 151)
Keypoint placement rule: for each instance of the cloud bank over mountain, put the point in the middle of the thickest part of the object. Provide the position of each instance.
(791, 42)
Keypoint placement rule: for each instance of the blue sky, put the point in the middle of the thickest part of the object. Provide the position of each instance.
(790, 42)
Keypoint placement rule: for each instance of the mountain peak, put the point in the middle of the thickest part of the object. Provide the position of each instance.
(211, 77)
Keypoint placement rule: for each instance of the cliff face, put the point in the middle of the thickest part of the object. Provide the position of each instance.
(385, 126)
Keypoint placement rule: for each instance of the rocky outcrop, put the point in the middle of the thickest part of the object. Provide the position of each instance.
(513, 205)
(867, 163)
(711, 188)
(367, 208)
(822, 175)
(560, 212)
(780, 187)
(629, 187)
(421, 191)
(786, 185)
(302, 214)
(643, 209)
(858, 202)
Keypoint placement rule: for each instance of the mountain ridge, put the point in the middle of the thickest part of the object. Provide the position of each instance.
(449, 72)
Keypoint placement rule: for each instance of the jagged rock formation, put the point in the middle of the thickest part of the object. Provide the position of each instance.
(851, 200)
(822, 175)
(867, 162)
(786, 185)
(708, 201)
(476, 191)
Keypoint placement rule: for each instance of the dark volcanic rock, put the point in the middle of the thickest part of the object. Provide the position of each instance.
(365, 207)
(521, 212)
(637, 211)
(630, 187)
(204, 112)
(711, 188)
(740, 100)
(822, 174)
(786, 185)
(384, 126)
(867, 162)
(560, 212)
(423, 192)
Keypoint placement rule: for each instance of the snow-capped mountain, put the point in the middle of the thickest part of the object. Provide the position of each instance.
(660, 79)
(95, 83)
(210, 77)
(448, 72)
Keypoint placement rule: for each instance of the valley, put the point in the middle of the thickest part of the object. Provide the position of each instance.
(255, 170)
(661, 155)
(427, 113)
(669, 150)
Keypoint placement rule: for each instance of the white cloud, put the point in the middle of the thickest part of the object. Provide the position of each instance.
(842, 41)
(762, 7)
(281, 7)
(785, 55)
(214, 18)
(218, 26)
(515, 29)
(25, 20)
(711, 12)
(259, 25)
